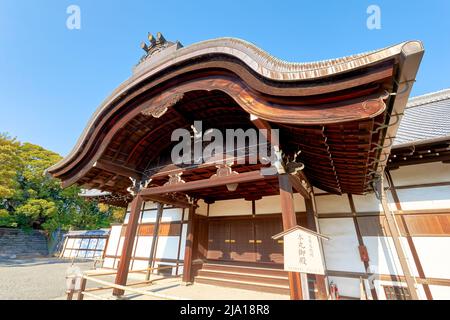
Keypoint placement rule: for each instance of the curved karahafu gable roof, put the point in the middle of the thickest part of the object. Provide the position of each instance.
(326, 93)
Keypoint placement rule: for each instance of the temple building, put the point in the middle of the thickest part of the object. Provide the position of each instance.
(354, 161)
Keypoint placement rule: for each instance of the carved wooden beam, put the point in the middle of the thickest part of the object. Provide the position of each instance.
(117, 169)
(168, 200)
(205, 183)
(300, 186)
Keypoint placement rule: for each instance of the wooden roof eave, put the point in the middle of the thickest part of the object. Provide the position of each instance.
(411, 57)
(122, 90)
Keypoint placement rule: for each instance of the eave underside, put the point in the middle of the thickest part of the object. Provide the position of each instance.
(337, 157)
(337, 125)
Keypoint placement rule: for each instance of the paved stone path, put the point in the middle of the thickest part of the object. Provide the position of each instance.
(35, 279)
(44, 279)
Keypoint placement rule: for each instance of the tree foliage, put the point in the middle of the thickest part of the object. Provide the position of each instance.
(28, 198)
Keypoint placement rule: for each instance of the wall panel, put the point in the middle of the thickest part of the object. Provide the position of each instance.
(341, 251)
(436, 172)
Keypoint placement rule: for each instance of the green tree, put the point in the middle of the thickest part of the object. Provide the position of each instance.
(28, 198)
(10, 164)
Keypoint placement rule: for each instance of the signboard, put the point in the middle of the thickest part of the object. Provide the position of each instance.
(302, 251)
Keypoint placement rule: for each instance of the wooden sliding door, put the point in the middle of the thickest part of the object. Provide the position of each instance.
(246, 239)
(268, 250)
(242, 241)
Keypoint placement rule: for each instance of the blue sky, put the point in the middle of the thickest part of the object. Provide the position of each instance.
(52, 78)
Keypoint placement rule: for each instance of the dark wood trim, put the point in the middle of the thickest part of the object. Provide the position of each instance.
(167, 201)
(130, 235)
(188, 275)
(361, 243)
(146, 259)
(298, 186)
(136, 240)
(320, 290)
(423, 185)
(412, 247)
(389, 277)
(253, 208)
(117, 169)
(205, 183)
(179, 241)
(174, 222)
(151, 261)
(380, 214)
(289, 220)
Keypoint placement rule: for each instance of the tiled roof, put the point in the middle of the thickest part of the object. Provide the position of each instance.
(426, 117)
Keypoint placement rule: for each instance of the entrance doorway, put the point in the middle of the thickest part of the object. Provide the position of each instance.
(245, 239)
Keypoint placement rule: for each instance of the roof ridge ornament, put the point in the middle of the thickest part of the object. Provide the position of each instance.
(157, 45)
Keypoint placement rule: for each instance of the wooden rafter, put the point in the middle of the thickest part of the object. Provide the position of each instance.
(205, 183)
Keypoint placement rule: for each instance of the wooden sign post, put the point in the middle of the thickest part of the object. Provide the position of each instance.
(302, 251)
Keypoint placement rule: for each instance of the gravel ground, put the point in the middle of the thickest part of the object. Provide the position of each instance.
(35, 279)
(44, 279)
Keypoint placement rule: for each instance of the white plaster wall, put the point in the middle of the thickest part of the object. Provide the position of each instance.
(139, 265)
(183, 240)
(421, 174)
(367, 203)
(341, 251)
(66, 252)
(440, 292)
(434, 255)
(201, 210)
(425, 198)
(167, 247)
(170, 215)
(348, 287)
(113, 240)
(318, 191)
(108, 263)
(299, 203)
(143, 246)
(149, 205)
(230, 208)
(267, 205)
(332, 204)
(383, 256)
(149, 216)
(121, 241)
(70, 243)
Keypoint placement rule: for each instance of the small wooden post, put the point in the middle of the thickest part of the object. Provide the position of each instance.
(160, 208)
(82, 288)
(189, 249)
(130, 234)
(289, 221)
(70, 291)
(395, 233)
(320, 282)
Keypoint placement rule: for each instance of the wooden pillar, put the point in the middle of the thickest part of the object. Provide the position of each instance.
(130, 234)
(395, 233)
(289, 221)
(151, 260)
(362, 246)
(320, 282)
(411, 244)
(189, 249)
(82, 289)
